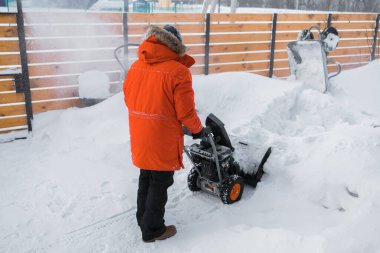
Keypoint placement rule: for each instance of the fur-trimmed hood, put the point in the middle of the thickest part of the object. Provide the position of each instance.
(166, 38)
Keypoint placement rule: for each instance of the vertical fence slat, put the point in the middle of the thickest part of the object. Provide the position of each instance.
(375, 34)
(207, 43)
(24, 65)
(273, 45)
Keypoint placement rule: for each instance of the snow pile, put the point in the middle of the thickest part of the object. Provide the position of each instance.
(71, 187)
(94, 84)
(359, 88)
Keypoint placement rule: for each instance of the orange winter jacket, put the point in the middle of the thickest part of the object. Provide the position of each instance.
(159, 95)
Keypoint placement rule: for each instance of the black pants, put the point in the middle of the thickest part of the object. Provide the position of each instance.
(151, 200)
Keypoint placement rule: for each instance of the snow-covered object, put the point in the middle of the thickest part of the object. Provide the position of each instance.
(71, 186)
(307, 64)
(330, 42)
(94, 84)
(305, 35)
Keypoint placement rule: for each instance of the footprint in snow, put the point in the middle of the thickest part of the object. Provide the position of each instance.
(69, 210)
(106, 187)
(93, 198)
(56, 199)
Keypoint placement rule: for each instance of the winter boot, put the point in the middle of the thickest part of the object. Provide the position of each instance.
(169, 232)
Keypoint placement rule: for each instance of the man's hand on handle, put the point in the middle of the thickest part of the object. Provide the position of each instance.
(203, 133)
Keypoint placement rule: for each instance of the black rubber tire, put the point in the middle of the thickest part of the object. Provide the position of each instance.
(192, 179)
(235, 168)
(227, 186)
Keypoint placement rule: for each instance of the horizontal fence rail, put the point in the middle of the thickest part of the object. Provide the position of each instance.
(62, 46)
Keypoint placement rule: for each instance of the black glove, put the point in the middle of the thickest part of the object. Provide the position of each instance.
(203, 133)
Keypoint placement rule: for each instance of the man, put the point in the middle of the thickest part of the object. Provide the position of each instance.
(160, 99)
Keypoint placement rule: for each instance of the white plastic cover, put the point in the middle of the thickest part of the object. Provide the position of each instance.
(330, 43)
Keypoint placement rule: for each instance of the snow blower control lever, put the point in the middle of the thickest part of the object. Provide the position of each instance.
(214, 168)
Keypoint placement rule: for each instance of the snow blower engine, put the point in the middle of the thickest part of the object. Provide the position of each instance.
(308, 57)
(214, 168)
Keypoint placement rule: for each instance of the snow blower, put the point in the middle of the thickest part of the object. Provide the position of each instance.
(308, 57)
(214, 168)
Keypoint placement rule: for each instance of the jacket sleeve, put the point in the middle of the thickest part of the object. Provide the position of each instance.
(184, 101)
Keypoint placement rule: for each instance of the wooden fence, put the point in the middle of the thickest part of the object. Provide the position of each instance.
(61, 46)
(13, 113)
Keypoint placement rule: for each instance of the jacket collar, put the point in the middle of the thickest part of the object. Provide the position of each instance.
(166, 38)
(154, 51)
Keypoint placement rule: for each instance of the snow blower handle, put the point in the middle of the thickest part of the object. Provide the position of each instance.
(204, 133)
(207, 131)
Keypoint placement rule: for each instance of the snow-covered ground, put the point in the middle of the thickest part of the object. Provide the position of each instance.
(71, 187)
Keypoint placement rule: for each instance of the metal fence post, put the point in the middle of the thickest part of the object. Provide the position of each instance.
(24, 65)
(125, 38)
(329, 20)
(125, 24)
(273, 45)
(375, 34)
(207, 43)
(126, 5)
